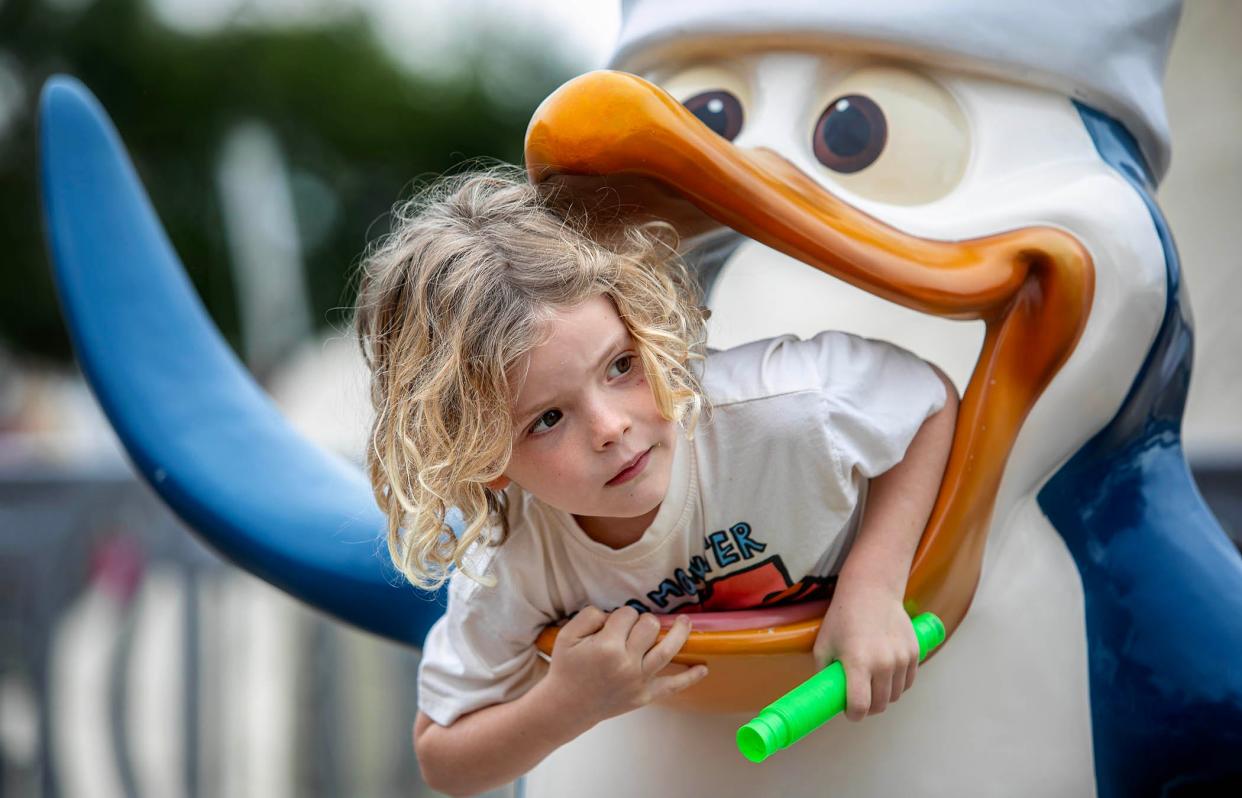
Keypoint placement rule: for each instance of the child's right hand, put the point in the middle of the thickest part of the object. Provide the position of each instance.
(610, 663)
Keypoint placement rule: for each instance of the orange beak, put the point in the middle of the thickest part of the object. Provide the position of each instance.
(1032, 287)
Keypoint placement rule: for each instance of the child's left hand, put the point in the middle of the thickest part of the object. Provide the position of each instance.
(867, 629)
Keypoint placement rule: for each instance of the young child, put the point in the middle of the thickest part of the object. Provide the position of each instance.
(544, 376)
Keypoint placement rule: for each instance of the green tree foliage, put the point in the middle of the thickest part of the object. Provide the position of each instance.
(355, 127)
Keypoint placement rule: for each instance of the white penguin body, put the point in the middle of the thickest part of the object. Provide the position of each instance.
(1004, 708)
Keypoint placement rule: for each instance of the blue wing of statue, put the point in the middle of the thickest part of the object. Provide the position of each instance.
(1161, 580)
(198, 428)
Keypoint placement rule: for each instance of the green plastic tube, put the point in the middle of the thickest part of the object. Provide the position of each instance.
(814, 702)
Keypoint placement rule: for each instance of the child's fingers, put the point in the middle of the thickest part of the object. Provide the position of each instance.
(913, 667)
(586, 623)
(857, 692)
(663, 686)
(903, 674)
(881, 689)
(619, 623)
(645, 631)
(898, 684)
(662, 653)
(903, 679)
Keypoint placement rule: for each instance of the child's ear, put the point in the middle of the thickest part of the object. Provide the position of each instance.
(499, 483)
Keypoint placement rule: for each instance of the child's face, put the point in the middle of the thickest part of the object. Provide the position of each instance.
(584, 412)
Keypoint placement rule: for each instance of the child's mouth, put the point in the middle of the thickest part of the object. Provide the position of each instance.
(632, 470)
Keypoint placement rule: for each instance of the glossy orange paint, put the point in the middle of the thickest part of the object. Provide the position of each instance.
(1032, 287)
(748, 668)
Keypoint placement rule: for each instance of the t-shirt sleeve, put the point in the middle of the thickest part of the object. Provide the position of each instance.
(481, 652)
(876, 395)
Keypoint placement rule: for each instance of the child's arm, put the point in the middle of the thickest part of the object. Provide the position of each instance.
(866, 626)
(602, 665)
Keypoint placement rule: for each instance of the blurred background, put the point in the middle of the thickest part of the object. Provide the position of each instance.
(273, 137)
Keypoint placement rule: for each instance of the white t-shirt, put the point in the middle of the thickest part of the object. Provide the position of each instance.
(761, 508)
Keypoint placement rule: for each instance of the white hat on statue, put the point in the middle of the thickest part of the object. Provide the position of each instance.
(1108, 54)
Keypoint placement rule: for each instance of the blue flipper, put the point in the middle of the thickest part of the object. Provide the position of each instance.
(1161, 580)
(198, 428)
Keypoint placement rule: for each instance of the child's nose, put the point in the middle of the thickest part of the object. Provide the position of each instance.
(610, 427)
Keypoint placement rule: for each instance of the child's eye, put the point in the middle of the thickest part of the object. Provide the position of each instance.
(621, 365)
(546, 421)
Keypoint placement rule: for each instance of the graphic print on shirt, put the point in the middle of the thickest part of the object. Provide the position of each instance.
(761, 583)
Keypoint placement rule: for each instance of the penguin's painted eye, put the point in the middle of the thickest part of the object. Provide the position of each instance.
(719, 110)
(851, 134)
(891, 134)
(715, 93)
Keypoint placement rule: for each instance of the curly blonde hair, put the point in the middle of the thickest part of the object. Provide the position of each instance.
(453, 300)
